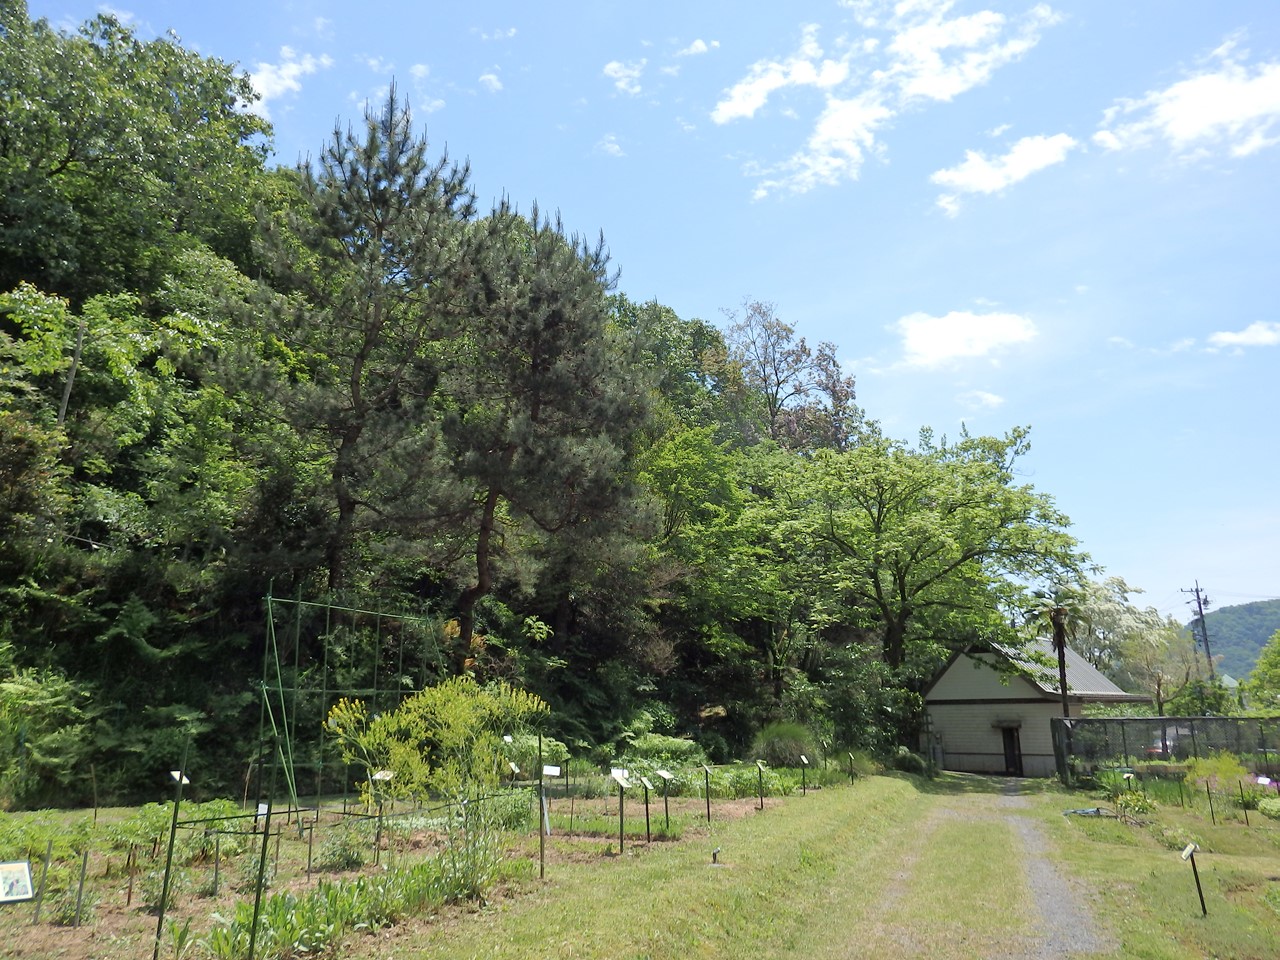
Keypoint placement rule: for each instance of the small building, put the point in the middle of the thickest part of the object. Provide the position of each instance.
(989, 711)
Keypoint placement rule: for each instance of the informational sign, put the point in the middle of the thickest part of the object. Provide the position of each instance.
(178, 777)
(665, 774)
(647, 784)
(804, 759)
(15, 881)
(620, 775)
(514, 768)
(1264, 781)
(549, 770)
(1189, 849)
(383, 775)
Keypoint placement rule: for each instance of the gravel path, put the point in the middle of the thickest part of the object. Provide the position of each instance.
(1068, 926)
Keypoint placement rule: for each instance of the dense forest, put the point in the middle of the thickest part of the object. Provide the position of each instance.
(348, 384)
(1238, 633)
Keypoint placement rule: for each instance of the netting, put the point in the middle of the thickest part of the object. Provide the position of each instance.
(1081, 746)
(317, 653)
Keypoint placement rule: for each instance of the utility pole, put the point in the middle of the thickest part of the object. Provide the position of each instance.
(1201, 603)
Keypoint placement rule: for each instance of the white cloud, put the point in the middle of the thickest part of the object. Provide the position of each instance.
(937, 58)
(981, 174)
(323, 28)
(506, 34)
(1227, 107)
(981, 400)
(841, 139)
(932, 342)
(698, 46)
(609, 146)
(490, 82)
(625, 76)
(1258, 334)
(420, 71)
(273, 80)
(924, 56)
(999, 131)
(805, 68)
(378, 64)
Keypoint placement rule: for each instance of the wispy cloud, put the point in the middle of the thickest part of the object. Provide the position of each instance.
(1227, 106)
(982, 174)
(609, 146)
(980, 400)
(274, 80)
(378, 64)
(506, 34)
(915, 53)
(490, 82)
(625, 76)
(930, 342)
(698, 46)
(1258, 334)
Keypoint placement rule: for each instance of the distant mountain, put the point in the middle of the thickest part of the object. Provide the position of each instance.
(1236, 634)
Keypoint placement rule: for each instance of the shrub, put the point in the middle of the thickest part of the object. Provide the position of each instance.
(783, 744)
(1221, 770)
(151, 888)
(911, 763)
(345, 846)
(1270, 807)
(1132, 804)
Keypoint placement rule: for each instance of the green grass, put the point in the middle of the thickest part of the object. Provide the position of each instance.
(890, 867)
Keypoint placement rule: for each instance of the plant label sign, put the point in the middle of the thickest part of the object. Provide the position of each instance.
(550, 770)
(15, 881)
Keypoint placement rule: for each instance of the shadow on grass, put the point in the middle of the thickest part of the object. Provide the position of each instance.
(955, 784)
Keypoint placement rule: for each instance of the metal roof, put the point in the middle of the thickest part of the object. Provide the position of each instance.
(1084, 680)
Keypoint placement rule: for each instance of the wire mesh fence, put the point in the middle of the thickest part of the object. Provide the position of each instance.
(1083, 746)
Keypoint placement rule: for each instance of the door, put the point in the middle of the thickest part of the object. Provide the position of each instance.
(1012, 752)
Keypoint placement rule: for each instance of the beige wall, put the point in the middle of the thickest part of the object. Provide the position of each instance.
(970, 733)
(971, 743)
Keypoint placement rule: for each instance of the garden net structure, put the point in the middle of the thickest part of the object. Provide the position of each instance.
(1082, 746)
(316, 653)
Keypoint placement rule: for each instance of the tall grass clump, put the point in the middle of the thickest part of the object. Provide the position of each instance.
(783, 744)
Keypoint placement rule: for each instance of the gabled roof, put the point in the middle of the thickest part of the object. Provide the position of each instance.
(1084, 680)
(1037, 665)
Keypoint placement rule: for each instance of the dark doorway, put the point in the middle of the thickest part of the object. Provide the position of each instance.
(1012, 752)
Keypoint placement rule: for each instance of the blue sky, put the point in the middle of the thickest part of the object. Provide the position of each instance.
(1060, 215)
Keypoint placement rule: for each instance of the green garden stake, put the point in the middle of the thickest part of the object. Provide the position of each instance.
(706, 773)
(180, 777)
(84, 868)
(1209, 794)
(1244, 809)
(760, 780)
(217, 861)
(851, 768)
(44, 874)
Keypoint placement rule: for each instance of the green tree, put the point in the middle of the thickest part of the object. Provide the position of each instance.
(545, 402)
(1263, 684)
(371, 263)
(116, 154)
(930, 546)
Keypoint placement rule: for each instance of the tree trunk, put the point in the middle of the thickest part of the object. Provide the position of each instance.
(484, 572)
(1059, 620)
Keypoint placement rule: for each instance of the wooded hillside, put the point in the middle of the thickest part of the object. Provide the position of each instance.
(349, 384)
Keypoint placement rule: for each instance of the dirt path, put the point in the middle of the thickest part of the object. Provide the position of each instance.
(1045, 916)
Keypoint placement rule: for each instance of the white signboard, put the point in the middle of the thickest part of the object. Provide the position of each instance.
(647, 784)
(549, 770)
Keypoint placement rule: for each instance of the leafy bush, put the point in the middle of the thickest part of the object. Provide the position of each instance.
(523, 752)
(26, 836)
(1221, 770)
(345, 846)
(909, 762)
(783, 744)
(1132, 804)
(1270, 807)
